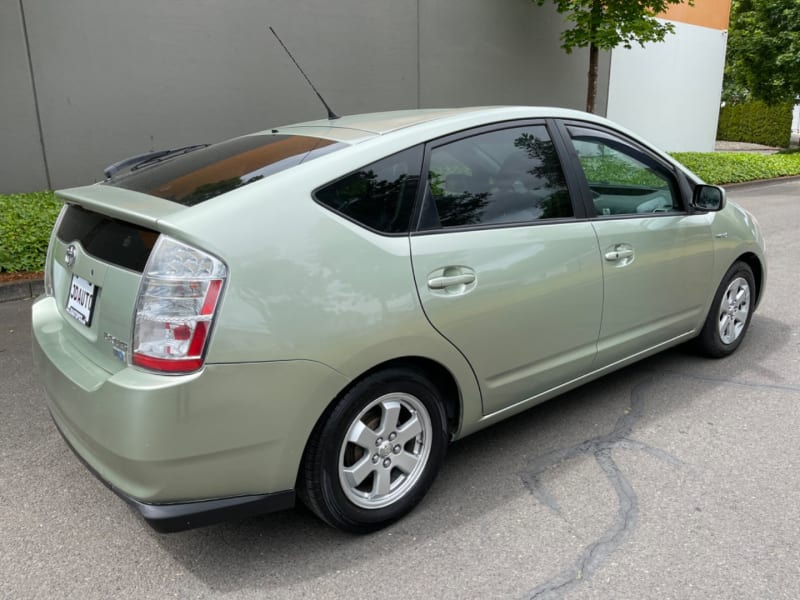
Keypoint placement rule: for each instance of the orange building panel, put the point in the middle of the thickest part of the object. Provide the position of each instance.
(713, 14)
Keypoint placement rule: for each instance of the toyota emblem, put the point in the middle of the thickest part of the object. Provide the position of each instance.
(69, 257)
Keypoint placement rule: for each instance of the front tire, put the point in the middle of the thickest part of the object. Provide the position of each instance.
(374, 456)
(730, 313)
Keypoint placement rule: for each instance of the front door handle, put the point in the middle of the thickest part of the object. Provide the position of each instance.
(613, 255)
(445, 281)
(622, 254)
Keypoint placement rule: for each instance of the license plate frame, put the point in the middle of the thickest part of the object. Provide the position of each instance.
(80, 300)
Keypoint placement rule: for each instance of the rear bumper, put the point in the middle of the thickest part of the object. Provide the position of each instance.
(184, 450)
(181, 516)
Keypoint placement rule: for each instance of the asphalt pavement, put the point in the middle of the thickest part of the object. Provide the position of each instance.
(678, 477)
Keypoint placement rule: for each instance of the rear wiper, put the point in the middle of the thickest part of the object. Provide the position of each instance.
(140, 160)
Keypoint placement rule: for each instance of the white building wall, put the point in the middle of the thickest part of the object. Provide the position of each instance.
(669, 92)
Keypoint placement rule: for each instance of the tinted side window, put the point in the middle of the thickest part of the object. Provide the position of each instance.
(379, 196)
(623, 180)
(506, 176)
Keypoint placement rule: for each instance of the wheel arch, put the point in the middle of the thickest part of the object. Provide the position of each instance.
(437, 373)
(751, 260)
(315, 484)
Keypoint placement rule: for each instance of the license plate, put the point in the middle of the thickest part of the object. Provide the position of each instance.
(80, 301)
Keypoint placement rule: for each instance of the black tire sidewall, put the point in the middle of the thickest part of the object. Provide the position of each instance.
(341, 511)
(710, 341)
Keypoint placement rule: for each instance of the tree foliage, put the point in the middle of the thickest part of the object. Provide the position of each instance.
(607, 24)
(612, 23)
(763, 58)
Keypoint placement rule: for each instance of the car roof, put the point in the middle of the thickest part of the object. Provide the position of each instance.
(355, 128)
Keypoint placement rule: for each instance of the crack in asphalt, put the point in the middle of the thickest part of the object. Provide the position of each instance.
(748, 384)
(600, 447)
(596, 553)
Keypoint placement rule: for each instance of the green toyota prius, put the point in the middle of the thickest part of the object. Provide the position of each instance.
(315, 311)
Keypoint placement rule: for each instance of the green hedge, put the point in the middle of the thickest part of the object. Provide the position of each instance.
(25, 224)
(735, 167)
(757, 123)
(610, 168)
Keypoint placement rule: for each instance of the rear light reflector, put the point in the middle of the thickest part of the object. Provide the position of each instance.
(177, 303)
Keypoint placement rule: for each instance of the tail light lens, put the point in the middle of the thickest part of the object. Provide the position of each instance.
(177, 303)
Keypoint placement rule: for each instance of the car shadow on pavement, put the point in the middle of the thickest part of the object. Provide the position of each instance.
(504, 474)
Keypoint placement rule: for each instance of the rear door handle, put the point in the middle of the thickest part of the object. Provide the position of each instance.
(445, 281)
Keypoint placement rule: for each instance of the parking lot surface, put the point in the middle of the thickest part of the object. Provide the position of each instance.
(678, 477)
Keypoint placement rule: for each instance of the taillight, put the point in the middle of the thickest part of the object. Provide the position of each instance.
(175, 310)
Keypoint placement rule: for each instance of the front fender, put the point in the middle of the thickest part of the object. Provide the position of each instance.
(736, 234)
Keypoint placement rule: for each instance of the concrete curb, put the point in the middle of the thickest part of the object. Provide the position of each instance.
(19, 290)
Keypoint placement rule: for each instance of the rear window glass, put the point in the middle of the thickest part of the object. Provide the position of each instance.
(117, 242)
(381, 195)
(203, 174)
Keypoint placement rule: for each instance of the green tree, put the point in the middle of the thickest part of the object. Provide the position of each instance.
(606, 24)
(763, 57)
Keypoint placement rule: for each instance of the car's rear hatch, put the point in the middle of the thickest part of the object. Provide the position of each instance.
(107, 231)
(98, 253)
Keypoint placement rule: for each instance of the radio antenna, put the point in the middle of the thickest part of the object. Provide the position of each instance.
(331, 115)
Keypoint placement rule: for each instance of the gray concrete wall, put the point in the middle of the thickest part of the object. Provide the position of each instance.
(22, 163)
(114, 79)
(479, 52)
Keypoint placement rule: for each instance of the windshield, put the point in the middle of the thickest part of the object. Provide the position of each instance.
(193, 178)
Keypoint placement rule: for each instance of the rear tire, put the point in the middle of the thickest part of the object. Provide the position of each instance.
(372, 458)
(730, 313)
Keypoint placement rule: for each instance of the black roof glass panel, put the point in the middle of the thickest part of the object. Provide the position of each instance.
(208, 172)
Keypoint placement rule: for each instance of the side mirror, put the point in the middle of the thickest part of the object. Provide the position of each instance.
(708, 198)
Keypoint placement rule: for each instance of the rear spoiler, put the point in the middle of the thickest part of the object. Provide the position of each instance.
(119, 203)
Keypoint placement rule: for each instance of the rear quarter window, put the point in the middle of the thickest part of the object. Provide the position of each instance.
(379, 196)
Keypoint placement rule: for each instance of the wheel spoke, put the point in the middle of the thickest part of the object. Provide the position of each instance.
(363, 436)
(382, 482)
(359, 471)
(728, 335)
(391, 415)
(406, 462)
(410, 429)
(723, 328)
(741, 315)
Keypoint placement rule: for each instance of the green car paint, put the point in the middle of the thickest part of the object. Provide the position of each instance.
(228, 430)
(532, 319)
(661, 293)
(313, 301)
